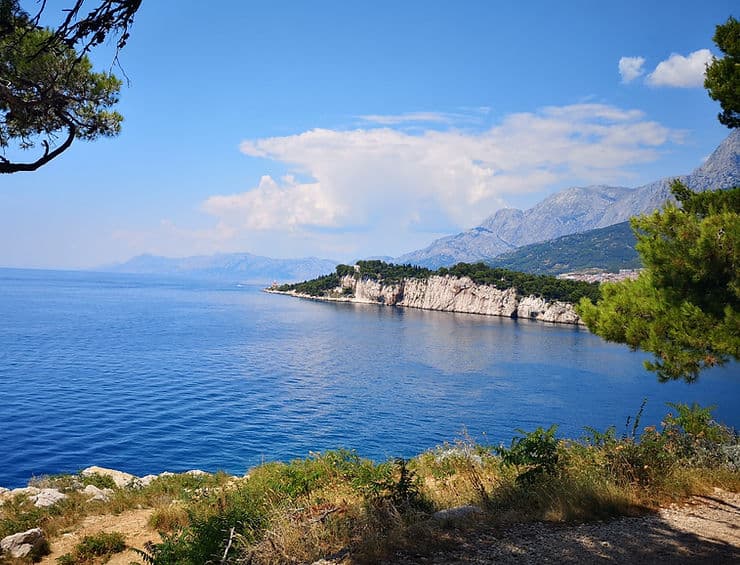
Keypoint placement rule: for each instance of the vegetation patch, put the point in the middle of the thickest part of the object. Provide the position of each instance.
(94, 549)
(545, 286)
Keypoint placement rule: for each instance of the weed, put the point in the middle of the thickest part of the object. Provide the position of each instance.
(94, 549)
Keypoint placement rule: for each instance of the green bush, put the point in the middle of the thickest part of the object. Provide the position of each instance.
(91, 548)
(536, 451)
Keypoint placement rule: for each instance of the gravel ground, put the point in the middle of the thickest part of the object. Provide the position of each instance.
(704, 530)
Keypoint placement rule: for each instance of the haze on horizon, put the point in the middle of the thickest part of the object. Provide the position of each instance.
(338, 131)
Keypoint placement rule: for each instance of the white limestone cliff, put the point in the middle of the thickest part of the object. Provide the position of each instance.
(450, 294)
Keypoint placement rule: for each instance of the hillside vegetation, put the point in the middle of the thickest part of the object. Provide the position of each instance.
(526, 284)
(607, 249)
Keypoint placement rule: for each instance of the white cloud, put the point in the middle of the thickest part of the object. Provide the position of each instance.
(680, 71)
(630, 68)
(397, 188)
(409, 117)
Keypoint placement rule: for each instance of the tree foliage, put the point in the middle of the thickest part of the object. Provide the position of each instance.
(49, 93)
(685, 307)
(723, 75)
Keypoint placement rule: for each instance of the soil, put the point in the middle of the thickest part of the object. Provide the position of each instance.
(132, 524)
(704, 530)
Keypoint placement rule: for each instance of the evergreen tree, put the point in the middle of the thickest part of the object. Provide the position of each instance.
(685, 306)
(723, 75)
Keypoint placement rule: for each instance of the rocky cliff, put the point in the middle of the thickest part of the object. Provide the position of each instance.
(450, 294)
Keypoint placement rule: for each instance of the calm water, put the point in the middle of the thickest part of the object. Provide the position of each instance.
(145, 375)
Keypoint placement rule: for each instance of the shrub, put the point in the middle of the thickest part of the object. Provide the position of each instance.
(91, 548)
(536, 451)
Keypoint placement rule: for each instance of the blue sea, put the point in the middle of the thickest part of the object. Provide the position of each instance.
(145, 374)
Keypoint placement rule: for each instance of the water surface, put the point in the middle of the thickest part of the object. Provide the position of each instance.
(145, 375)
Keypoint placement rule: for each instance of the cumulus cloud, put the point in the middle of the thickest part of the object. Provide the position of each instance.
(391, 185)
(630, 68)
(680, 71)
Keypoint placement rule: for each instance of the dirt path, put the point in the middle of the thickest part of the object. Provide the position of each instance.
(704, 530)
(132, 524)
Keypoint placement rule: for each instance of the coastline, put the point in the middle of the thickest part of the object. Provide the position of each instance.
(571, 318)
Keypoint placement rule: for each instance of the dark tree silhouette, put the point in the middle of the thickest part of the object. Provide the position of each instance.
(49, 93)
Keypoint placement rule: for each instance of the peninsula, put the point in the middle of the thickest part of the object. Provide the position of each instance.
(465, 288)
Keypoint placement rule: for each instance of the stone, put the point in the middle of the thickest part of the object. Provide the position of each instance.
(28, 491)
(196, 473)
(122, 480)
(47, 497)
(96, 494)
(453, 294)
(31, 543)
(146, 480)
(456, 513)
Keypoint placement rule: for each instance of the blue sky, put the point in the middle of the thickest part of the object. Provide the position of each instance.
(348, 129)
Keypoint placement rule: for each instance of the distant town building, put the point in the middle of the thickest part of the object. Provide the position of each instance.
(588, 276)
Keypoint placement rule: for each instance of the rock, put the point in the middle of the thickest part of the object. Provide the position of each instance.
(97, 494)
(47, 497)
(122, 480)
(146, 480)
(455, 294)
(28, 491)
(196, 473)
(3, 490)
(31, 543)
(166, 474)
(456, 513)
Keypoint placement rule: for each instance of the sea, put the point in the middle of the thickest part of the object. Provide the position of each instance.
(146, 374)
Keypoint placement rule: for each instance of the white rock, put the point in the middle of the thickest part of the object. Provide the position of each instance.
(97, 494)
(146, 480)
(24, 544)
(47, 497)
(166, 474)
(456, 513)
(121, 479)
(196, 473)
(28, 491)
(457, 294)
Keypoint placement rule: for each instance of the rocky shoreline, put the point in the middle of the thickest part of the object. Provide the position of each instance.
(33, 543)
(447, 294)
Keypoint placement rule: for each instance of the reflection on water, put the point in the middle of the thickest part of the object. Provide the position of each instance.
(145, 375)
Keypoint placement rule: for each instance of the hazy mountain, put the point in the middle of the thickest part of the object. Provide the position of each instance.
(610, 249)
(574, 210)
(237, 267)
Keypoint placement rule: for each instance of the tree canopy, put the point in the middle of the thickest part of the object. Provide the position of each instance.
(685, 306)
(49, 93)
(723, 75)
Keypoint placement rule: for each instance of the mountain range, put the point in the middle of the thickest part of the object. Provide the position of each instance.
(231, 267)
(573, 210)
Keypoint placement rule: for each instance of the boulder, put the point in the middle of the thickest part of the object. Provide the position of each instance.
(31, 543)
(96, 494)
(196, 473)
(146, 480)
(47, 497)
(121, 479)
(456, 513)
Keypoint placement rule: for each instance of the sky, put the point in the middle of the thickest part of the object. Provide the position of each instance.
(345, 130)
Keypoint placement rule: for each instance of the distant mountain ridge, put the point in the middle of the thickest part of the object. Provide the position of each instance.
(233, 267)
(574, 210)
